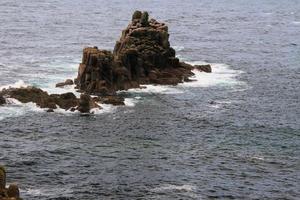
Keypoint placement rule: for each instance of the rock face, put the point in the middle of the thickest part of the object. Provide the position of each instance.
(142, 56)
(67, 101)
(10, 193)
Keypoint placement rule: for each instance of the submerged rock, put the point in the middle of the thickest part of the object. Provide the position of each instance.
(142, 55)
(10, 193)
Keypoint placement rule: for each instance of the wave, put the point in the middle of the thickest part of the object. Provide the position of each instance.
(222, 76)
(49, 192)
(18, 84)
(178, 48)
(163, 89)
(186, 188)
(105, 108)
(15, 108)
(130, 102)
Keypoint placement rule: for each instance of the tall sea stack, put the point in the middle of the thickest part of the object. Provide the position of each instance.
(141, 56)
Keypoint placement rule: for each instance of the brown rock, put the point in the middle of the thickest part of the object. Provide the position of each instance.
(42, 98)
(136, 15)
(86, 103)
(204, 68)
(142, 55)
(67, 82)
(26, 95)
(2, 177)
(13, 191)
(65, 101)
(114, 100)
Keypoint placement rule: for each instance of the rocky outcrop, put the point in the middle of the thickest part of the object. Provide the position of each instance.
(10, 193)
(67, 82)
(142, 55)
(67, 101)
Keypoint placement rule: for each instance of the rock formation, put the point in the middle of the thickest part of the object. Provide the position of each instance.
(67, 101)
(10, 193)
(142, 56)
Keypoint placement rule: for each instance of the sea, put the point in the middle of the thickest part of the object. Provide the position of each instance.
(230, 134)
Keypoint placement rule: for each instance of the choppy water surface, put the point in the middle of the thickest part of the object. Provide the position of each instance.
(232, 134)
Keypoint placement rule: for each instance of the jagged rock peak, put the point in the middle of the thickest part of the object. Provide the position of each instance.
(142, 55)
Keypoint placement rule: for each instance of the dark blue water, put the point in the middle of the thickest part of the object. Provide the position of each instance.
(234, 134)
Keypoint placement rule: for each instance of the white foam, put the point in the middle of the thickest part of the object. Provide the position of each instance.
(46, 192)
(257, 158)
(222, 75)
(105, 108)
(18, 84)
(162, 89)
(178, 48)
(15, 108)
(34, 192)
(296, 22)
(184, 188)
(130, 102)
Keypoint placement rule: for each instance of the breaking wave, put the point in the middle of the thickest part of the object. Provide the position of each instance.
(222, 76)
(18, 84)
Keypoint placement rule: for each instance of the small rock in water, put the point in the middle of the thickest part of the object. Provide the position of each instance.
(204, 68)
(67, 82)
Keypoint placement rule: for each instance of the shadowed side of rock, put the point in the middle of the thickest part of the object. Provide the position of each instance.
(2, 100)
